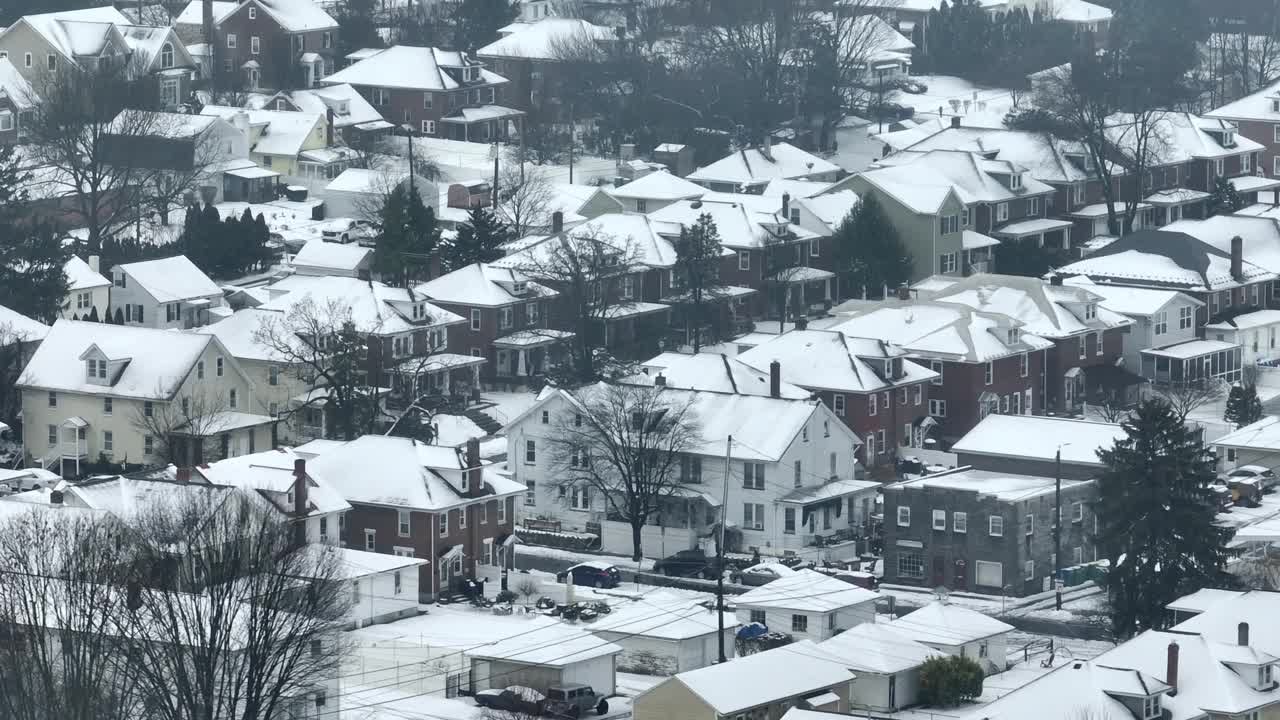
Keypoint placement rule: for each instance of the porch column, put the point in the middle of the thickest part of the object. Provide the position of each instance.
(444, 389)
(827, 288)
(522, 363)
(1040, 240)
(475, 375)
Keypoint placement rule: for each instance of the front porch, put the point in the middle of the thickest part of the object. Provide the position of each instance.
(808, 290)
(69, 447)
(1044, 232)
(978, 255)
(483, 123)
(832, 521)
(528, 354)
(1176, 204)
(449, 377)
(634, 328)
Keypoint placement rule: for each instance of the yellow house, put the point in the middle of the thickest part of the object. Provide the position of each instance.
(277, 137)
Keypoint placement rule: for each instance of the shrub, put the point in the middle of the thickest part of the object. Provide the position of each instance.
(949, 681)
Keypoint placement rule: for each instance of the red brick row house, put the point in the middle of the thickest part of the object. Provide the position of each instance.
(532, 57)
(439, 93)
(436, 503)
(873, 386)
(280, 44)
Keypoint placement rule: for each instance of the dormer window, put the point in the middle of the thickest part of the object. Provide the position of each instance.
(1011, 336)
(96, 370)
(466, 480)
(1090, 312)
(1015, 182)
(1265, 675)
(1151, 707)
(519, 287)
(1228, 139)
(468, 74)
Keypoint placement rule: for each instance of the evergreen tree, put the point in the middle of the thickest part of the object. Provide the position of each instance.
(869, 252)
(261, 237)
(480, 240)
(1155, 514)
(409, 236)
(32, 256)
(697, 272)
(477, 22)
(1243, 405)
(1225, 199)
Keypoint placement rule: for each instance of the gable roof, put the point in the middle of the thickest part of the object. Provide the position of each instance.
(237, 334)
(660, 185)
(409, 67)
(831, 360)
(742, 220)
(807, 591)
(320, 100)
(16, 327)
(1254, 106)
(1165, 258)
(1038, 437)
(712, 372)
(157, 361)
(681, 618)
(171, 279)
(750, 166)
(73, 33)
(873, 647)
(1141, 302)
(940, 623)
(1047, 310)
(375, 307)
(752, 680)
(193, 13)
(944, 330)
(14, 86)
(318, 253)
(542, 40)
(296, 15)
(1221, 618)
(82, 277)
(638, 237)
(969, 174)
(1045, 158)
(482, 284)
(1261, 236)
(147, 43)
(272, 471)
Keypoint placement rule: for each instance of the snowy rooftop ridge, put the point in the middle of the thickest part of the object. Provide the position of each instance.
(751, 166)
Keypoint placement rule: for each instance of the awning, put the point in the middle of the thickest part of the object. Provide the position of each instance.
(1254, 183)
(451, 553)
(729, 292)
(1034, 226)
(690, 493)
(973, 240)
(373, 125)
(635, 309)
(1074, 372)
(1176, 196)
(75, 421)
(250, 65)
(310, 58)
(802, 274)
(438, 362)
(825, 700)
(524, 339)
(834, 490)
(482, 113)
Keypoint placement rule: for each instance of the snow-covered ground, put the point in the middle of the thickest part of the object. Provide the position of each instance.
(507, 405)
(990, 102)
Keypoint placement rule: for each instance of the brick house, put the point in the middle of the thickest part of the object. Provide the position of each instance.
(439, 93)
(1047, 446)
(431, 502)
(872, 386)
(279, 44)
(1088, 339)
(984, 531)
(1257, 117)
(508, 320)
(985, 362)
(528, 55)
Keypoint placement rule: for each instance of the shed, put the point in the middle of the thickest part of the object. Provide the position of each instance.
(553, 656)
(886, 663)
(959, 631)
(359, 193)
(665, 636)
(808, 605)
(320, 257)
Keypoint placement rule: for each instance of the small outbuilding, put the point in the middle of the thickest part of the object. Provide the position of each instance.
(886, 663)
(542, 659)
(959, 631)
(665, 636)
(807, 605)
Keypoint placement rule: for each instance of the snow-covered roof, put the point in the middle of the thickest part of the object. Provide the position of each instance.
(1140, 302)
(832, 208)
(16, 327)
(941, 623)
(297, 15)
(807, 591)
(1036, 437)
(352, 564)
(171, 279)
(921, 181)
(676, 619)
(829, 360)
(1247, 321)
(712, 372)
(375, 308)
(1258, 106)
(14, 86)
(1077, 689)
(742, 221)
(947, 331)
(1050, 311)
(1079, 12)
(76, 33)
(126, 497)
(878, 648)
(1045, 158)
(483, 285)
(1191, 349)
(832, 490)
(1164, 258)
(1202, 599)
(554, 646)
(155, 362)
(638, 238)
(401, 472)
(193, 13)
(797, 189)
(660, 185)
(751, 166)
(409, 67)
(237, 333)
(545, 39)
(1004, 487)
(272, 471)
(320, 100)
(82, 277)
(1261, 236)
(332, 256)
(752, 680)
(1184, 137)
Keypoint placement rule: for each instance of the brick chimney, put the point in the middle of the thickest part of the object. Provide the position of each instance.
(184, 474)
(1237, 258)
(557, 222)
(1171, 669)
(55, 498)
(775, 379)
(475, 486)
(786, 207)
(1242, 634)
(328, 129)
(1055, 279)
(659, 380)
(300, 502)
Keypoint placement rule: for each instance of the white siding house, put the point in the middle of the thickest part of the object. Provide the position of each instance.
(88, 292)
(885, 663)
(166, 293)
(384, 588)
(1161, 317)
(958, 631)
(808, 606)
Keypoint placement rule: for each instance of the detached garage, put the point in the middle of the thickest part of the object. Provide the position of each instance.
(665, 636)
(545, 657)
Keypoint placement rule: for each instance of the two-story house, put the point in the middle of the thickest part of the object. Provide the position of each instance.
(167, 293)
(531, 57)
(1257, 117)
(749, 170)
(88, 292)
(871, 385)
(985, 362)
(273, 43)
(1160, 317)
(655, 191)
(928, 540)
(1087, 337)
(352, 119)
(791, 462)
(293, 144)
(508, 320)
(449, 94)
(100, 391)
(16, 103)
(435, 503)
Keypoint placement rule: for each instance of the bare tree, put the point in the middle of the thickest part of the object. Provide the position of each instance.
(260, 637)
(1185, 398)
(182, 428)
(16, 348)
(525, 200)
(623, 444)
(1260, 571)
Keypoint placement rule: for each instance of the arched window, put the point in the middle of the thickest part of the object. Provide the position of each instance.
(166, 56)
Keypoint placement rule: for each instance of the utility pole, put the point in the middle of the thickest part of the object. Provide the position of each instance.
(1057, 527)
(571, 138)
(497, 151)
(724, 520)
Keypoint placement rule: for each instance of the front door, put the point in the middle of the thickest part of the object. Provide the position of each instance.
(939, 571)
(961, 581)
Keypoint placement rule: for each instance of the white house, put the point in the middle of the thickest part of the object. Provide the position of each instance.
(807, 605)
(886, 665)
(789, 459)
(167, 293)
(957, 630)
(1255, 333)
(656, 191)
(682, 636)
(1257, 443)
(545, 659)
(384, 588)
(359, 193)
(319, 257)
(88, 292)
(1160, 317)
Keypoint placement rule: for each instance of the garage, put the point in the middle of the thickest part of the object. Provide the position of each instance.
(547, 656)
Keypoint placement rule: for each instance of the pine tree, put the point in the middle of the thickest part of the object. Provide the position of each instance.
(32, 256)
(480, 240)
(1243, 405)
(1224, 199)
(1155, 514)
(409, 236)
(697, 272)
(478, 22)
(869, 252)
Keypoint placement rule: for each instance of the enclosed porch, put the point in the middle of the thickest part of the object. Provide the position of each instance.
(1044, 232)
(832, 520)
(483, 123)
(447, 377)
(1193, 361)
(634, 329)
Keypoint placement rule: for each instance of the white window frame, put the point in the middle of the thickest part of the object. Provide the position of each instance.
(370, 540)
(937, 407)
(989, 372)
(837, 402)
(995, 525)
(939, 520)
(904, 516)
(1002, 211)
(960, 522)
(1029, 570)
(744, 260)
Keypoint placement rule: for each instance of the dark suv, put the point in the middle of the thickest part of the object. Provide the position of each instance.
(592, 574)
(688, 563)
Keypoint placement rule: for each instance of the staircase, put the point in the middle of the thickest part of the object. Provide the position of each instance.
(483, 420)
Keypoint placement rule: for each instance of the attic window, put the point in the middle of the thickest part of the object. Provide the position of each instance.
(468, 74)
(1275, 105)
(96, 369)
(519, 287)
(1012, 335)
(1151, 707)
(1015, 182)
(1090, 311)
(1229, 139)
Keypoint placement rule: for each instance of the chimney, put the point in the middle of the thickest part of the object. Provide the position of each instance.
(767, 150)
(184, 474)
(95, 262)
(473, 453)
(299, 487)
(1055, 279)
(328, 130)
(1242, 634)
(1237, 258)
(660, 380)
(206, 27)
(955, 121)
(1171, 671)
(786, 207)
(775, 379)
(55, 498)
(474, 487)
(904, 292)
(557, 222)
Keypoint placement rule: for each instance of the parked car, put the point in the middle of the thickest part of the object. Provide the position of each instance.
(764, 573)
(1263, 477)
(688, 563)
(1224, 495)
(1246, 492)
(593, 573)
(574, 699)
(346, 231)
(516, 699)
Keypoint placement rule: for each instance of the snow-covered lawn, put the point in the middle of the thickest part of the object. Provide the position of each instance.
(942, 89)
(623, 563)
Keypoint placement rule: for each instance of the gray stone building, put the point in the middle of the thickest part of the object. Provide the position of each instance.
(984, 531)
